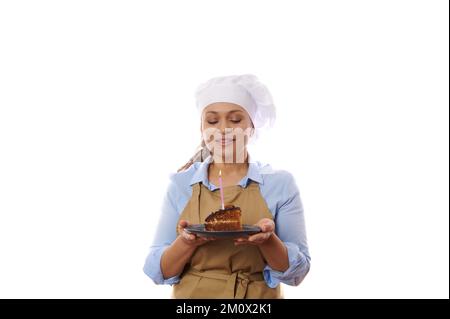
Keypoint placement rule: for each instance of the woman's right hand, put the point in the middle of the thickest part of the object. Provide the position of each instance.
(179, 253)
(191, 239)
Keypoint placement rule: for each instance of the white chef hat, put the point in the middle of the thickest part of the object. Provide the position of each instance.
(244, 90)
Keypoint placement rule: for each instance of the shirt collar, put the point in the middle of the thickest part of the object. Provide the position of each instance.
(201, 174)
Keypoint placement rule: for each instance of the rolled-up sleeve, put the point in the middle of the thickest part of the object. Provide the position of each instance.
(165, 235)
(152, 267)
(290, 228)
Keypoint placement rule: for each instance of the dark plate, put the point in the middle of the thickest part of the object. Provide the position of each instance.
(199, 230)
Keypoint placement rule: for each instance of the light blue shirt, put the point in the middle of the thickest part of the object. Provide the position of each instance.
(282, 197)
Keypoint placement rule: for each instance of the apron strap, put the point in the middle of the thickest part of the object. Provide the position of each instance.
(196, 190)
(199, 186)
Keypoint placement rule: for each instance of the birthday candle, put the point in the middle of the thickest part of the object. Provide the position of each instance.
(221, 189)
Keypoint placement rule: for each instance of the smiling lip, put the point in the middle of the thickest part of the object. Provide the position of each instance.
(225, 141)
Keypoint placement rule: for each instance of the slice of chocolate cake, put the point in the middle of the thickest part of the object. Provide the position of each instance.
(224, 219)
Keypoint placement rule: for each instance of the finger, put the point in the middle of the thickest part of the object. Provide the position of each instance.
(242, 241)
(256, 237)
(265, 224)
(183, 223)
(188, 236)
(268, 226)
(259, 237)
(181, 226)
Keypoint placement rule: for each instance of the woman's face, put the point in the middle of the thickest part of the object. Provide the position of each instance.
(226, 128)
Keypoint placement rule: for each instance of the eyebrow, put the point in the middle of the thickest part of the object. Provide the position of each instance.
(232, 111)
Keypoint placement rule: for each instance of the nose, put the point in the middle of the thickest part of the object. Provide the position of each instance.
(222, 128)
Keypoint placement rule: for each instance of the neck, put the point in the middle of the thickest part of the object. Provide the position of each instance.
(225, 167)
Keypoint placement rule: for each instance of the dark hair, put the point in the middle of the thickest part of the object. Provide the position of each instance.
(200, 155)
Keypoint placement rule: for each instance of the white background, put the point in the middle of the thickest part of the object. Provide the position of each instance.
(97, 108)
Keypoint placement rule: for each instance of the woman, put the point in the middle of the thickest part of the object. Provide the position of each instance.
(233, 109)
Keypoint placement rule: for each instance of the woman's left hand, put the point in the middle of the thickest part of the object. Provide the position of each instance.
(267, 228)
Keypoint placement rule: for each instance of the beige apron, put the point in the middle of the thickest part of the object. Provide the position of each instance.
(219, 269)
